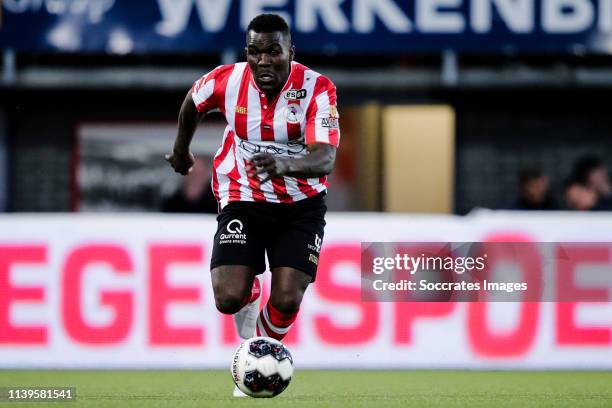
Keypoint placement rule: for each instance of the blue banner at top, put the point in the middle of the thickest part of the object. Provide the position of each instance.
(328, 26)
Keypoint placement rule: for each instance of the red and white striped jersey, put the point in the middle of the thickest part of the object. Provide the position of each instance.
(303, 113)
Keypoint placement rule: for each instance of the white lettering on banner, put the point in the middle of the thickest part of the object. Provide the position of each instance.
(20, 6)
(252, 8)
(93, 9)
(175, 15)
(329, 11)
(430, 19)
(426, 16)
(605, 16)
(366, 11)
(557, 19)
(430, 16)
(518, 15)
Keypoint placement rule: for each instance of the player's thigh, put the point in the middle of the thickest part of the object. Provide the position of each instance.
(297, 244)
(238, 239)
(238, 255)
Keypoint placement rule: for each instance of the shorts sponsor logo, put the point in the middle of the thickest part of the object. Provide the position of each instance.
(317, 244)
(331, 123)
(314, 259)
(294, 113)
(234, 233)
(235, 227)
(294, 94)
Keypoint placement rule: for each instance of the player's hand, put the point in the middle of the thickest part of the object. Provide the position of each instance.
(267, 163)
(181, 163)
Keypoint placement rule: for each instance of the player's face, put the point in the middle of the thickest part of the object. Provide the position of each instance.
(269, 56)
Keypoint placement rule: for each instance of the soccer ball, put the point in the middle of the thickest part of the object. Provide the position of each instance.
(262, 367)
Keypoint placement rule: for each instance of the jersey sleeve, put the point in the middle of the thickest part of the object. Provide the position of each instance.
(322, 115)
(203, 92)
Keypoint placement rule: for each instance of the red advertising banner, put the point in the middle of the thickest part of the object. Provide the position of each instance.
(134, 291)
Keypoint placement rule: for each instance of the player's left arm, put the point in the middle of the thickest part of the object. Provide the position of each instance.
(319, 162)
(322, 136)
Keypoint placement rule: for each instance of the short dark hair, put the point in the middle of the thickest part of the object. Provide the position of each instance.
(529, 174)
(570, 181)
(269, 23)
(585, 165)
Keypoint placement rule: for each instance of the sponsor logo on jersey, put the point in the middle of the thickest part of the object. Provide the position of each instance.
(294, 94)
(294, 113)
(241, 110)
(331, 123)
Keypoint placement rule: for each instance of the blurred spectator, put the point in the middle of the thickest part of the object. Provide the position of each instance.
(195, 194)
(534, 191)
(578, 196)
(592, 172)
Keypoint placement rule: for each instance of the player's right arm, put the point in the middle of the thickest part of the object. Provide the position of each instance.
(199, 100)
(181, 158)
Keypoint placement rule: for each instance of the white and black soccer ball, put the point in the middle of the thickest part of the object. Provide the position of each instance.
(262, 367)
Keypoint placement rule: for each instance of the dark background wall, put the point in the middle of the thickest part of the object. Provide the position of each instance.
(498, 133)
(41, 129)
(3, 162)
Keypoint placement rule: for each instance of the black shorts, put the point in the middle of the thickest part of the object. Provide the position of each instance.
(291, 234)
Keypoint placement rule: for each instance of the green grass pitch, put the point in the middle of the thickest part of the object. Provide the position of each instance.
(351, 389)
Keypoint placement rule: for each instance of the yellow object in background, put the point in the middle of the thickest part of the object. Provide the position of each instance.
(418, 158)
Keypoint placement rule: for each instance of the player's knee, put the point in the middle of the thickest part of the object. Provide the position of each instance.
(287, 301)
(229, 303)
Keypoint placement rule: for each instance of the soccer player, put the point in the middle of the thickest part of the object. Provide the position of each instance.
(269, 175)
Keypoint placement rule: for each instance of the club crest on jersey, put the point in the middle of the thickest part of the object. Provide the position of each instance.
(294, 94)
(294, 113)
